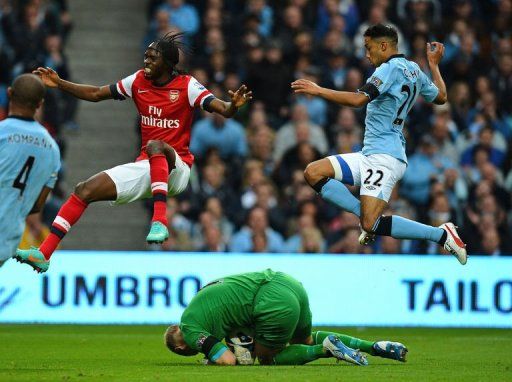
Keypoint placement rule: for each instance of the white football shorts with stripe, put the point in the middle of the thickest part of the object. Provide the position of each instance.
(133, 180)
(376, 174)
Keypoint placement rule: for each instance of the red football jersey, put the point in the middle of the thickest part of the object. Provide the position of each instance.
(166, 111)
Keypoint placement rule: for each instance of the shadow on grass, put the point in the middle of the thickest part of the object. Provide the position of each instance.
(341, 364)
(18, 369)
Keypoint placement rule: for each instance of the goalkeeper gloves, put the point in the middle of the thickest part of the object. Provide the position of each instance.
(242, 347)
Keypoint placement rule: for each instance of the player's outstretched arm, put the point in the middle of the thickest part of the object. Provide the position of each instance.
(86, 92)
(352, 99)
(435, 52)
(229, 109)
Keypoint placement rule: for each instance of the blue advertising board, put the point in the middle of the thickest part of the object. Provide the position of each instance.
(155, 287)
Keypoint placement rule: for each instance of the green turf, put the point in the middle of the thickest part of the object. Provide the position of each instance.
(136, 353)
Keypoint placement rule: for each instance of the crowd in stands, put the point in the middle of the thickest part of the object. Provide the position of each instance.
(33, 33)
(248, 193)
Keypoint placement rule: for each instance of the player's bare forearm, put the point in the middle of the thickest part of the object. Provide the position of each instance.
(226, 109)
(303, 86)
(86, 92)
(435, 53)
(437, 79)
(231, 110)
(344, 98)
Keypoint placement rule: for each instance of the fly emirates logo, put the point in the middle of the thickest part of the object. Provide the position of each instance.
(154, 120)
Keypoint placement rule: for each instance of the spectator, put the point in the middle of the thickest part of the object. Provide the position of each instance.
(261, 143)
(377, 15)
(215, 131)
(316, 107)
(213, 205)
(180, 229)
(425, 166)
(182, 16)
(485, 143)
(308, 239)
(259, 243)
(160, 26)
(389, 246)
(257, 224)
(300, 123)
(213, 184)
(213, 240)
(442, 135)
(269, 78)
(265, 15)
(292, 24)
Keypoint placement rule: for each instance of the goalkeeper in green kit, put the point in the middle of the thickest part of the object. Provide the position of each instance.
(272, 308)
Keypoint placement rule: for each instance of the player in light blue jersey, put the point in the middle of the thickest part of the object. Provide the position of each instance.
(390, 93)
(29, 162)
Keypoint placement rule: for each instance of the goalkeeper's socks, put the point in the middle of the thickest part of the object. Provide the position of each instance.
(299, 354)
(338, 194)
(402, 228)
(352, 342)
(68, 215)
(159, 172)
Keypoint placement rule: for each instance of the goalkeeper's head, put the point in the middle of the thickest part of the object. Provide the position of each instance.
(173, 339)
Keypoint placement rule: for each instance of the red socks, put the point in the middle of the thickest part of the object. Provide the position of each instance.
(74, 207)
(159, 172)
(68, 215)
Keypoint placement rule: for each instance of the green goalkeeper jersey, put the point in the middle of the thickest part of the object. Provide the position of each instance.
(222, 307)
(270, 306)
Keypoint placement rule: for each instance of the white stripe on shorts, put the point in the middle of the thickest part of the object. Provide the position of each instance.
(338, 175)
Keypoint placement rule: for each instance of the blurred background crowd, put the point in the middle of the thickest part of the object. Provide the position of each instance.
(247, 192)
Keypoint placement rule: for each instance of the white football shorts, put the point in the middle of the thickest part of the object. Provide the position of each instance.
(133, 181)
(376, 174)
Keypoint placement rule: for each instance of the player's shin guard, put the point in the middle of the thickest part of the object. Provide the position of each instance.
(68, 215)
(299, 354)
(353, 342)
(159, 172)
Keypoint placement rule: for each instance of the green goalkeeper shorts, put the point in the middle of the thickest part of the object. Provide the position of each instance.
(281, 312)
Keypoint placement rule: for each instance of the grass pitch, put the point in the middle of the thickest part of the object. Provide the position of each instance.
(137, 353)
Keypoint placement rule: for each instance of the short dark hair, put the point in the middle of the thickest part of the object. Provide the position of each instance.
(27, 90)
(382, 31)
(169, 47)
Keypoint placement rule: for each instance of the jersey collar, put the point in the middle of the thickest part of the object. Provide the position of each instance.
(173, 76)
(22, 118)
(395, 56)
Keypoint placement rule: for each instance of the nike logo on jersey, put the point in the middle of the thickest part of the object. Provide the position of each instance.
(142, 91)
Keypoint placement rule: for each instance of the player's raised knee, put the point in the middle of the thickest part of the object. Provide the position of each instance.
(312, 173)
(155, 147)
(83, 191)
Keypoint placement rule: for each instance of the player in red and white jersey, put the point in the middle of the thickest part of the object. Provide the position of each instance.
(166, 110)
(165, 100)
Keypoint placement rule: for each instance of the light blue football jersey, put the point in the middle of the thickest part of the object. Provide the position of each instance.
(393, 88)
(29, 160)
